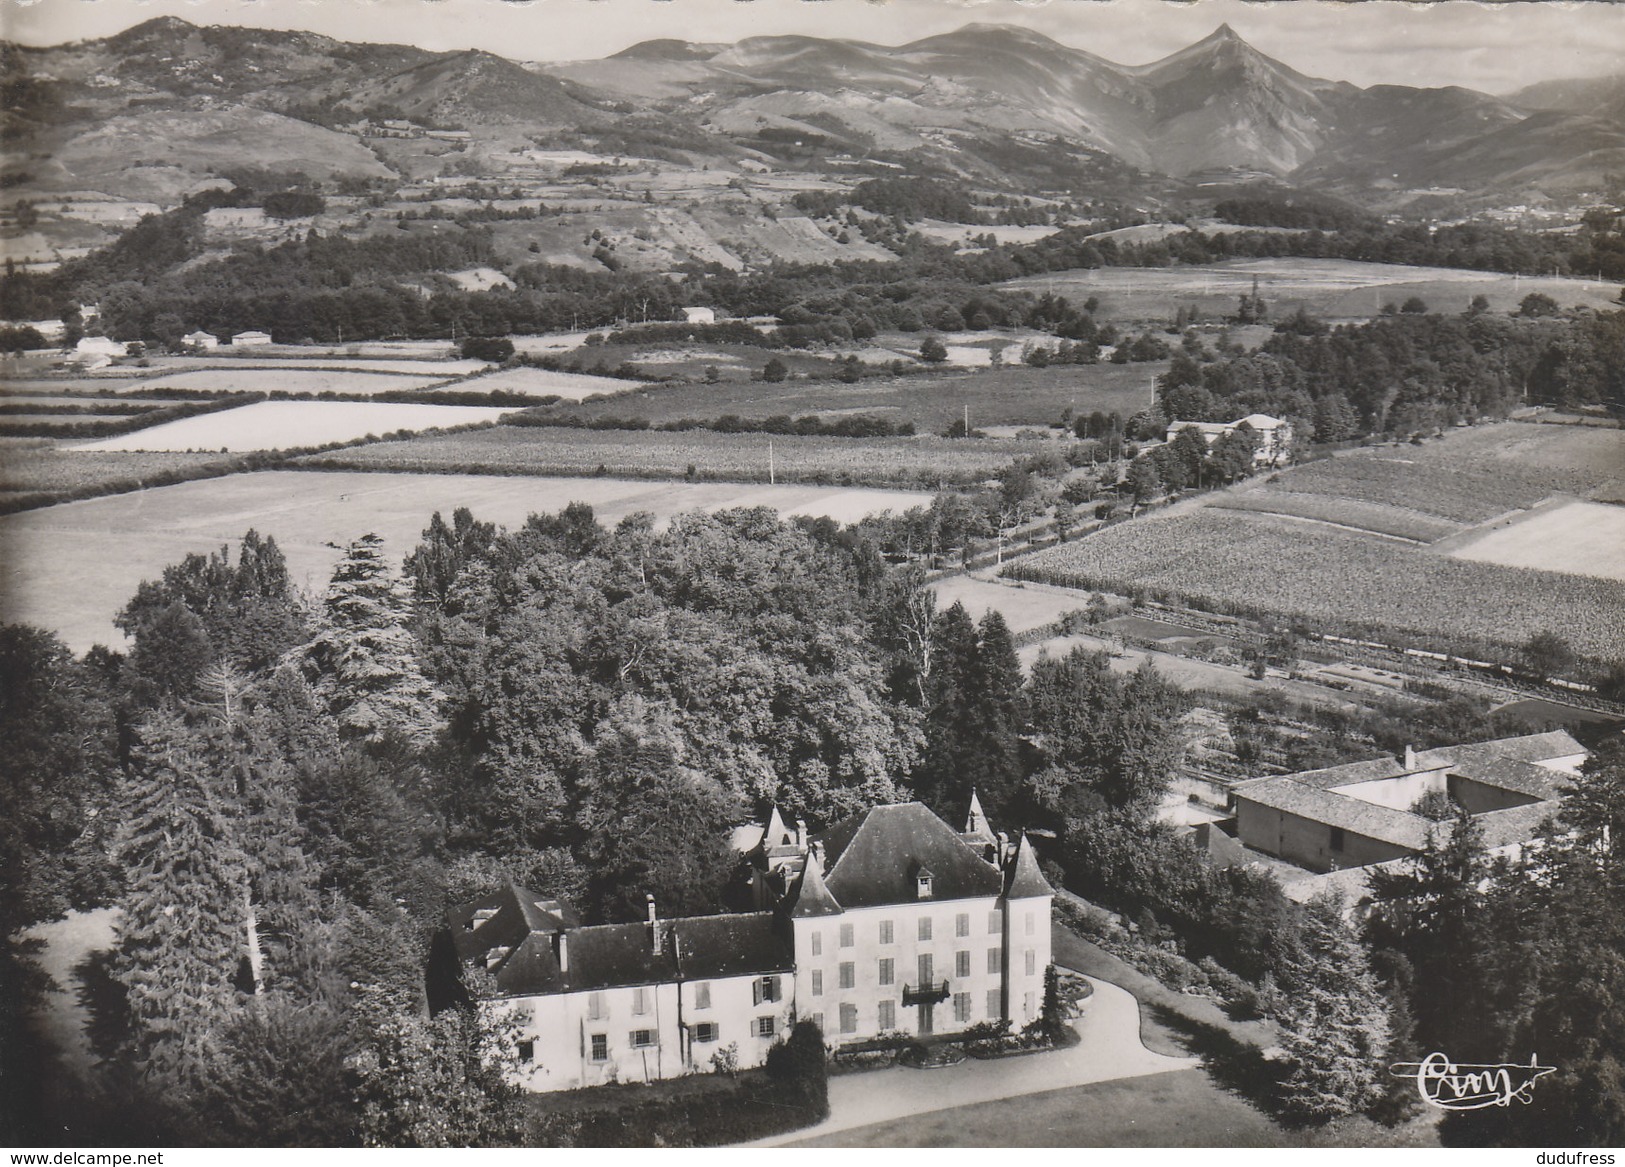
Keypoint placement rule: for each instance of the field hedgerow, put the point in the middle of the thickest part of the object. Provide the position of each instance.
(1262, 565)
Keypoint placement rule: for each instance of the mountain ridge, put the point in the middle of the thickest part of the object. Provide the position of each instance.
(995, 103)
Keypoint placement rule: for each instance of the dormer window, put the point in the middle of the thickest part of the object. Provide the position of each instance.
(922, 885)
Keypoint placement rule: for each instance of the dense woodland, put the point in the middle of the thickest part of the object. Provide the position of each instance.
(282, 794)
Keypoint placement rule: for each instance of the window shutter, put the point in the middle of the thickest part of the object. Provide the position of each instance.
(756, 992)
(775, 993)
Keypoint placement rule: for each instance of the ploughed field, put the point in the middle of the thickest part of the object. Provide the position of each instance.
(70, 568)
(1268, 565)
(44, 466)
(914, 462)
(1482, 537)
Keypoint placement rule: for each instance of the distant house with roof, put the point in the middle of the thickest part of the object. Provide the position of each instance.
(100, 346)
(1364, 813)
(250, 338)
(889, 921)
(1274, 435)
(201, 339)
(699, 315)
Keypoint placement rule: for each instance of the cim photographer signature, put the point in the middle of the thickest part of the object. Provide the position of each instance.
(1467, 1086)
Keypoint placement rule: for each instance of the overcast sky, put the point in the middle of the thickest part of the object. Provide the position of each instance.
(1496, 47)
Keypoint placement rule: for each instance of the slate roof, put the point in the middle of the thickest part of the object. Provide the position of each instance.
(516, 913)
(733, 945)
(1522, 777)
(523, 929)
(812, 897)
(1306, 800)
(1513, 825)
(872, 859)
(1025, 877)
(1506, 763)
(1534, 747)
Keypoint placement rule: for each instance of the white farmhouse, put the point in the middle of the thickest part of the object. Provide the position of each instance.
(1274, 435)
(699, 315)
(201, 339)
(250, 338)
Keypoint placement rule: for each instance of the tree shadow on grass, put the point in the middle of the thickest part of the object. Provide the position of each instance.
(1234, 1065)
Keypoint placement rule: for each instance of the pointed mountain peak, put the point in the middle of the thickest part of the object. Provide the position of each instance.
(157, 26)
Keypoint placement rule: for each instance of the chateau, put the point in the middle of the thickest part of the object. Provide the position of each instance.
(890, 921)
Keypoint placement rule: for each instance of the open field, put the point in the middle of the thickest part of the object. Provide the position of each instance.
(1328, 288)
(1024, 606)
(651, 454)
(1379, 518)
(1188, 673)
(1015, 395)
(282, 425)
(545, 383)
(70, 568)
(287, 357)
(1256, 563)
(260, 380)
(1584, 538)
(1471, 475)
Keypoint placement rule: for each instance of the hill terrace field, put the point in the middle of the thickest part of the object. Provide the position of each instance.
(283, 425)
(909, 462)
(931, 401)
(72, 567)
(1328, 288)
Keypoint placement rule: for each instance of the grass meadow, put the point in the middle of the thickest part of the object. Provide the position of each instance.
(910, 462)
(1015, 395)
(70, 568)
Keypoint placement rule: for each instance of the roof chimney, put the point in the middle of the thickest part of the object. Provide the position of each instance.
(654, 922)
(1410, 757)
(561, 944)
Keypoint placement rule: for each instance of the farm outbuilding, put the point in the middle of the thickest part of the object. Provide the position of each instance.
(699, 315)
(201, 339)
(249, 339)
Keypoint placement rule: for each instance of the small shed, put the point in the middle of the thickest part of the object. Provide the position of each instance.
(250, 338)
(700, 315)
(201, 339)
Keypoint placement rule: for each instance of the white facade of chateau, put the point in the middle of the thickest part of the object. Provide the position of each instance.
(939, 930)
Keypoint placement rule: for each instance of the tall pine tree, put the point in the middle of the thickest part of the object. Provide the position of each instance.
(183, 933)
(363, 662)
(1334, 1024)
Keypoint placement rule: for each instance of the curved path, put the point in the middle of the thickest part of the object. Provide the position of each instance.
(1110, 1049)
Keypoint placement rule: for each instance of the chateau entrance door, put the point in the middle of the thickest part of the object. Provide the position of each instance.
(926, 1027)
